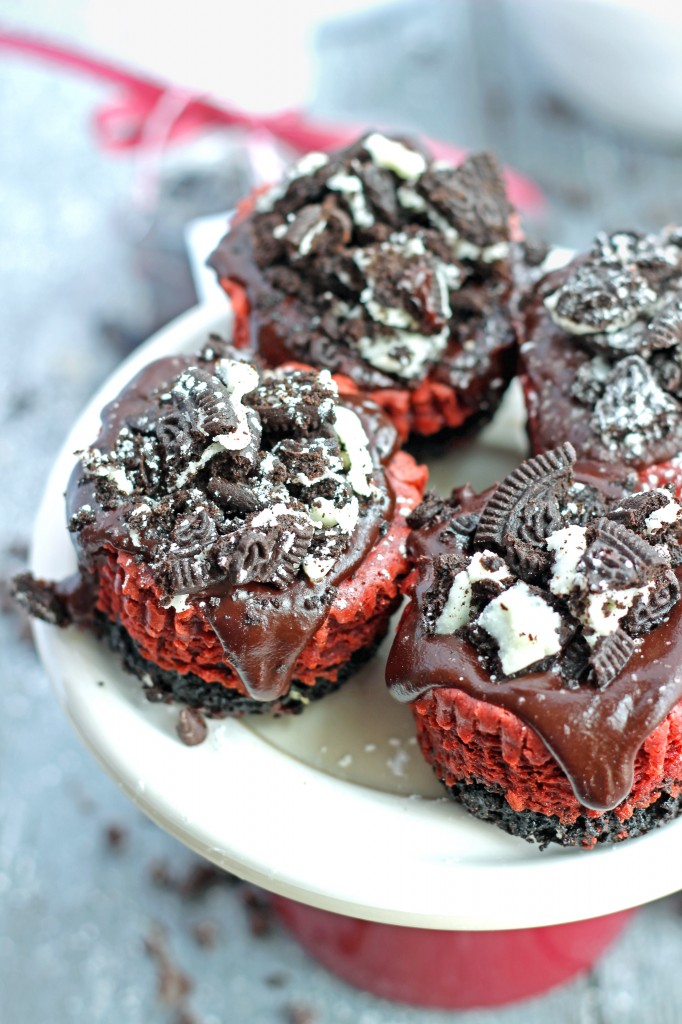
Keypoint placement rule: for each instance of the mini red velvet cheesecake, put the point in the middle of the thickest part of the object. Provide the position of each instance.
(240, 532)
(542, 651)
(601, 357)
(386, 268)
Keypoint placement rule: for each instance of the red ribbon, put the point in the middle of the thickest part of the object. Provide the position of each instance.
(127, 123)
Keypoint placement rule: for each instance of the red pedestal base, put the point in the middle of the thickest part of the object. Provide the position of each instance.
(450, 970)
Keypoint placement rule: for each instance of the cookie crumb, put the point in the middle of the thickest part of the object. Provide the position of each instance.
(191, 727)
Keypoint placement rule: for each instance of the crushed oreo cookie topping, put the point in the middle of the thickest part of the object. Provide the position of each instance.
(243, 490)
(374, 247)
(550, 578)
(621, 305)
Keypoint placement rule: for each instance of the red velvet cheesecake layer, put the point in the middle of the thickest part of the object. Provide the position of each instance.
(185, 642)
(465, 739)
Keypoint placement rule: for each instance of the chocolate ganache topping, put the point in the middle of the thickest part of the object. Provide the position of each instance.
(604, 356)
(250, 494)
(379, 263)
(555, 595)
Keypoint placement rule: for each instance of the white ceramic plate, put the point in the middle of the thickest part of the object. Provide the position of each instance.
(334, 807)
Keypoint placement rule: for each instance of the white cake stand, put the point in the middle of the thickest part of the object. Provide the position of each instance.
(333, 808)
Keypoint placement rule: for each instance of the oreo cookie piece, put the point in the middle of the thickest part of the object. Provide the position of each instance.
(41, 599)
(526, 507)
(599, 298)
(269, 549)
(610, 656)
(299, 400)
(617, 558)
(471, 197)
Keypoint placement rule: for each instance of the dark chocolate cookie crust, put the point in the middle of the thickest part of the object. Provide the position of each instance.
(214, 699)
(489, 804)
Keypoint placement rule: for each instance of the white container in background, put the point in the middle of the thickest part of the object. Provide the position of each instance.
(620, 61)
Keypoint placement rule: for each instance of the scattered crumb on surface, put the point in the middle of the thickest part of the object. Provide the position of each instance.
(205, 934)
(115, 837)
(173, 985)
(191, 727)
(278, 979)
(259, 912)
(199, 877)
(296, 1014)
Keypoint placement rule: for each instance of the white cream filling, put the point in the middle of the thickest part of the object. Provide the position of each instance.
(390, 316)
(568, 546)
(239, 379)
(394, 156)
(604, 611)
(355, 450)
(193, 467)
(486, 253)
(350, 187)
(316, 568)
(117, 477)
(324, 513)
(410, 200)
(405, 354)
(525, 627)
(306, 243)
(664, 517)
(457, 608)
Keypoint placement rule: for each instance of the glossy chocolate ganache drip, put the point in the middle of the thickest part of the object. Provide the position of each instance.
(554, 595)
(250, 495)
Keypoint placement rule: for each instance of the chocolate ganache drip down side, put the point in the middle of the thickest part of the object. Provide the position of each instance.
(554, 595)
(250, 495)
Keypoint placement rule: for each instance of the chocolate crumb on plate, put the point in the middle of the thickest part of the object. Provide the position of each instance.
(173, 985)
(116, 837)
(259, 911)
(191, 727)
